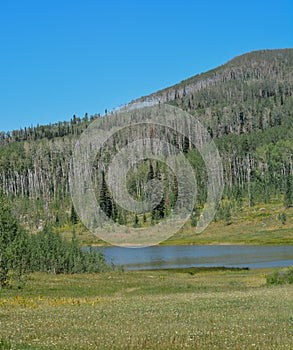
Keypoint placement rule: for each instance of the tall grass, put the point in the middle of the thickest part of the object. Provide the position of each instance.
(148, 310)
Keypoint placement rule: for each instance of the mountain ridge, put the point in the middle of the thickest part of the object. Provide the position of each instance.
(265, 56)
(193, 83)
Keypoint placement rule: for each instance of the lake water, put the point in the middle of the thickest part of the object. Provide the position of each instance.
(209, 255)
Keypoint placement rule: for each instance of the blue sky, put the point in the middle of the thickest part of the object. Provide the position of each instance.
(60, 58)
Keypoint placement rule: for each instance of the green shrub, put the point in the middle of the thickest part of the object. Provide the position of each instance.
(280, 276)
(5, 345)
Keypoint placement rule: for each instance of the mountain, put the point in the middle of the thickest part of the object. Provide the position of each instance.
(247, 107)
(240, 96)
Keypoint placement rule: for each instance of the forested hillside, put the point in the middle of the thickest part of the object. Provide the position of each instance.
(246, 105)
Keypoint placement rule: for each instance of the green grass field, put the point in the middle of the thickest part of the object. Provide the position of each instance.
(256, 225)
(148, 310)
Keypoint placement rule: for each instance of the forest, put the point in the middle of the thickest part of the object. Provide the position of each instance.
(247, 107)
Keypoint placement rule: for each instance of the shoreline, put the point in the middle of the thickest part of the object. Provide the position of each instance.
(103, 245)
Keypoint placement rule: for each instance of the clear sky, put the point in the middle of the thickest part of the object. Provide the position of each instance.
(65, 57)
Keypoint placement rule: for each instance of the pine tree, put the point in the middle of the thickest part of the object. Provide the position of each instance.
(151, 172)
(193, 219)
(105, 198)
(73, 216)
(136, 221)
(144, 218)
(288, 195)
(227, 214)
(13, 244)
(120, 217)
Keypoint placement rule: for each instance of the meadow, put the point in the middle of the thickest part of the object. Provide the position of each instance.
(161, 309)
(258, 225)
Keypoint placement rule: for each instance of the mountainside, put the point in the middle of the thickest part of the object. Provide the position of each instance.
(247, 93)
(246, 105)
(264, 64)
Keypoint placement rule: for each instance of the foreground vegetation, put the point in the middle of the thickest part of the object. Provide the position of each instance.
(148, 310)
(46, 251)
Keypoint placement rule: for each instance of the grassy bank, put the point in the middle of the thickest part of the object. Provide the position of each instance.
(260, 225)
(216, 309)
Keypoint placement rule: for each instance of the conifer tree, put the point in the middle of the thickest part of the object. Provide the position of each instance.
(288, 196)
(13, 243)
(105, 198)
(73, 215)
(193, 219)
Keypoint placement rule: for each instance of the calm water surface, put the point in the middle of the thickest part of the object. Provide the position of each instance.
(211, 255)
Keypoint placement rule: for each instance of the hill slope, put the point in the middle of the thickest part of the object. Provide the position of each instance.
(247, 106)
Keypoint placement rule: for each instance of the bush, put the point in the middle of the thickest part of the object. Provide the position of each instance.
(5, 345)
(46, 251)
(50, 252)
(281, 276)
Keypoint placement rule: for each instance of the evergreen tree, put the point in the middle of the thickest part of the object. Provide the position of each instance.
(283, 218)
(151, 172)
(13, 244)
(120, 217)
(193, 219)
(225, 213)
(136, 221)
(144, 218)
(73, 215)
(288, 195)
(105, 198)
